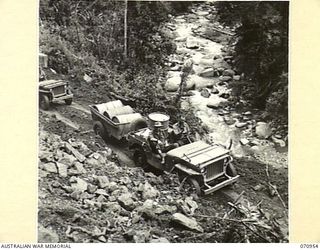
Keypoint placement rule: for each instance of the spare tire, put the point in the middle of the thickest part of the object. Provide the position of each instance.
(138, 124)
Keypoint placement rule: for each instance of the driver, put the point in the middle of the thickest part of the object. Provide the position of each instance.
(157, 141)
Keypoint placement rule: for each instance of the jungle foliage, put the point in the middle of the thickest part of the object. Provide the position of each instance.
(261, 49)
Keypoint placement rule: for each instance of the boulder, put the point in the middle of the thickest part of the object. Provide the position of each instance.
(209, 72)
(244, 141)
(47, 235)
(103, 181)
(112, 186)
(72, 150)
(205, 93)
(220, 63)
(141, 236)
(148, 191)
(279, 142)
(186, 222)
(228, 72)
(205, 62)
(236, 77)
(67, 159)
(161, 209)
(173, 83)
(192, 43)
(49, 167)
(200, 82)
(62, 169)
(45, 156)
(112, 206)
(126, 201)
(78, 184)
(79, 168)
(214, 91)
(216, 102)
(263, 130)
(147, 210)
(241, 124)
(225, 78)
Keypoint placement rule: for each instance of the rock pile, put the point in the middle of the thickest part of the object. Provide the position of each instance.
(100, 201)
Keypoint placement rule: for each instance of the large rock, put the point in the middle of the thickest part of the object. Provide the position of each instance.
(200, 82)
(173, 83)
(78, 184)
(148, 191)
(192, 43)
(263, 130)
(103, 181)
(216, 102)
(126, 201)
(207, 73)
(186, 222)
(205, 93)
(220, 63)
(49, 167)
(62, 169)
(161, 209)
(67, 159)
(45, 156)
(147, 210)
(228, 72)
(278, 141)
(225, 78)
(79, 168)
(72, 150)
(241, 124)
(46, 235)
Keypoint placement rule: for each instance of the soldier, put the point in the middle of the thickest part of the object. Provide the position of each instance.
(181, 131)
(158, 141)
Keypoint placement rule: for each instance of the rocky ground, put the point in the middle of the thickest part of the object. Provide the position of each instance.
(90, 190)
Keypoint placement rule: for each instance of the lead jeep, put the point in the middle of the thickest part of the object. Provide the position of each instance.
(203, 167)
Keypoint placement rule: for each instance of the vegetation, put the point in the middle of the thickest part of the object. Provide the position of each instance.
(261, 49)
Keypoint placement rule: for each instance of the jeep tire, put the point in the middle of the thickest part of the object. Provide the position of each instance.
(140, 158)
(191, 184)
(44, 102)
(231, 171)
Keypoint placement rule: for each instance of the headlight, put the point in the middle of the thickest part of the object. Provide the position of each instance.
(203, 171)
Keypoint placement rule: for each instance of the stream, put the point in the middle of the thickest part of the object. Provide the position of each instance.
(223, 122)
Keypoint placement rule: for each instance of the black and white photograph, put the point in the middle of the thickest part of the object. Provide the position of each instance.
(163, 121)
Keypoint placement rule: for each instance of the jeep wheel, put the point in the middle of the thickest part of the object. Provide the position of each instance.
(191, 185)
(44, 102)
(140, 159)
(231, 171)
(68, 101)
(99, 130)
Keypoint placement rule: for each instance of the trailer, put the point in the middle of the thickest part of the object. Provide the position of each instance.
(113, 119)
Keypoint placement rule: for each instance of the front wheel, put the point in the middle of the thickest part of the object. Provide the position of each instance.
(190, 185)
(140, 159)
(44, 102)
(231, 170)
(68, 101)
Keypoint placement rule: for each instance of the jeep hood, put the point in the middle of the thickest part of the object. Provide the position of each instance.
(198, 153)
(51, 83)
